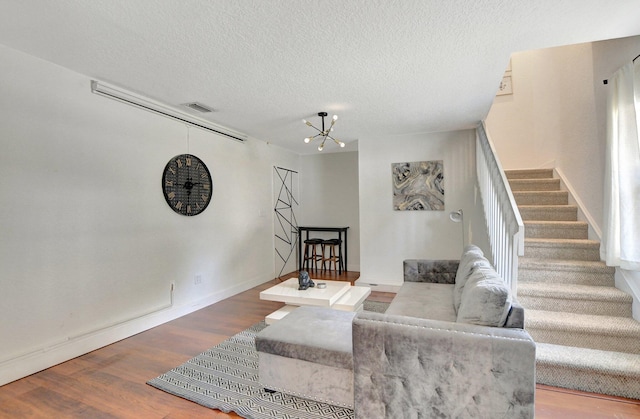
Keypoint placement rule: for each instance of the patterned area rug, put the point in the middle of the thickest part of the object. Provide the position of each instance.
(225, 377)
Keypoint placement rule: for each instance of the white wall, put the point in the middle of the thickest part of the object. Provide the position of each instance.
(388, 237)
(550, 120)
(330, 197)
(88, 241)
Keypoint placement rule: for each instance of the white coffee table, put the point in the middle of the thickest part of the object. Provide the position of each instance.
(339, 295)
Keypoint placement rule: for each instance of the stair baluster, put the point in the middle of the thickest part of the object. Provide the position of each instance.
(504, 224)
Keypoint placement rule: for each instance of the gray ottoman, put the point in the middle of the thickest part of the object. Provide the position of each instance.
(309, 354)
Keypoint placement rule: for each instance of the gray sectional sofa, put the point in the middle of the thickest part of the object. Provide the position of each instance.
(453, 348)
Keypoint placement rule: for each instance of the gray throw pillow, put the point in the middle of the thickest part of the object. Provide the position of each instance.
(486, 299)
(471, 258)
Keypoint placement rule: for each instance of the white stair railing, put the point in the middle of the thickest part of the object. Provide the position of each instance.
(504, 224)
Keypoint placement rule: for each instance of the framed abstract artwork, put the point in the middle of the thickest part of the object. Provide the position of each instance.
(418, 186)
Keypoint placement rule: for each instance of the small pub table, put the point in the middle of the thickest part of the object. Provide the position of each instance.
(343, 243)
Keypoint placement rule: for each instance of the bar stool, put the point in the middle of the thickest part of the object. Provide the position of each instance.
(311, 246)
(333, 256)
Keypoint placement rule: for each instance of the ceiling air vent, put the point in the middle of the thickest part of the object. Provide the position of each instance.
(198, 107)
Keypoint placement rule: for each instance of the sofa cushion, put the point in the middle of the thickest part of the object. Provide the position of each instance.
(314, 334)
(472, 257)
(486, 299)
(424, 300)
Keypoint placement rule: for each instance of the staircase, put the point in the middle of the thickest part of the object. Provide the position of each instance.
(585, 335)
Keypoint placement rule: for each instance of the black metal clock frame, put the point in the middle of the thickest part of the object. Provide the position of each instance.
(187, 185)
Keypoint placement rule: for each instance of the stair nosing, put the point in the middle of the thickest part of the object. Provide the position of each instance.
(528, 171)
(547, 223)
(585, 323)
(580, 292)
(573, 242)
(571, 262)
(551, 206)
(566, 356)
(558, 192)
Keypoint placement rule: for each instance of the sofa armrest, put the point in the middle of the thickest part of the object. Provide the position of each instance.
(434, 271)
(409, 367)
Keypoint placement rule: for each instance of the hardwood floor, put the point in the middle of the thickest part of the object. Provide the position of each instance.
(110, 382)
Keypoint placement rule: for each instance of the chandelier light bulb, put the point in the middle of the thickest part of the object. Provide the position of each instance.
(341, 144)
(335, 117)
(320, 147)
(307, 140)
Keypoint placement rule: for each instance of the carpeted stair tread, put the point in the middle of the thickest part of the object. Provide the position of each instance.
(549, 212)
(553, 248)
(581, 292)
(600, 324)
(541, 197)
(564, 242)
(592, 370)
(534, 184)
(589, 359)
(556, 229)
(581, 299)
(528, 173)
(554, 224)
(609, 333)
(565, 271)
(565, 265)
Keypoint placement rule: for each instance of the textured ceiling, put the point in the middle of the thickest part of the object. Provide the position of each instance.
(384, 66)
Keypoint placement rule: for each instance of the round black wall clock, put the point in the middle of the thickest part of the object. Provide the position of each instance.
(187, 185)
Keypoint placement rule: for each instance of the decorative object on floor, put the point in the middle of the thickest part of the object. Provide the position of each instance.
(418, 186)
(225, 377)
(324, 133)
(187, 185)
(458, 217)
(304, 281)
(285, 184)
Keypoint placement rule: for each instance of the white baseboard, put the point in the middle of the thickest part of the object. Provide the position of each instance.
(595, 232)
(37, 360)
(629, 282)
(378, 287)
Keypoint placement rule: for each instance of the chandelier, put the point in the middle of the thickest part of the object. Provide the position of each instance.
(323, 133)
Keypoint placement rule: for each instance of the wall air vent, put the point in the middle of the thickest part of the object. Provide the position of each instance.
(198, 107)
(147, 104)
